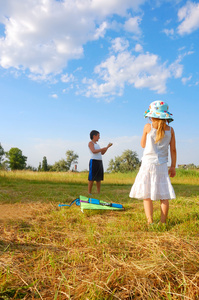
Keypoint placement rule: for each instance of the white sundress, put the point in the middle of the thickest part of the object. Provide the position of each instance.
(152, 180)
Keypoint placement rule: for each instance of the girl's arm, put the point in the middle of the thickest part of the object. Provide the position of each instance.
(146, 130)
(172, 170)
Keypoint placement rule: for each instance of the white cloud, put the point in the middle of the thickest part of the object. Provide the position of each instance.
(181, 48)
(188, 15)
(142, 71)
(54, 96)
(169, 32)
(100, 31)
(104, 7)
(42, 77)
(119, 44)
(70, 87)
(138, 48)
(186, 79)
(43, 35)
(168, 21)
(67, 78)
(176, 68)
(132, 25)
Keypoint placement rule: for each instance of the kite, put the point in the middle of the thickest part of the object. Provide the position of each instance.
(92, 203)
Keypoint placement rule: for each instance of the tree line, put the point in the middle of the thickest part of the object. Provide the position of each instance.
(15, 160)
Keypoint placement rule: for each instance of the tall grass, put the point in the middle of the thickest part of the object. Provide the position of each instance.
(182, 176)
(47, 252)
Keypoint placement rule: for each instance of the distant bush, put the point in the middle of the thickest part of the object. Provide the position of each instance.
(188, 167)
(125, 163)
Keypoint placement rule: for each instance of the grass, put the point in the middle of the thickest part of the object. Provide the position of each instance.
(49, 252)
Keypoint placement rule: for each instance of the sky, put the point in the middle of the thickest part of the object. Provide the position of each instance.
(68, 67)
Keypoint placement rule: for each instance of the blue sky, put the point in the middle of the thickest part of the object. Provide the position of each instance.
(68, 67)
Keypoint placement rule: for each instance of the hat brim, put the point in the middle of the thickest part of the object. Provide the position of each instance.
(159, 115)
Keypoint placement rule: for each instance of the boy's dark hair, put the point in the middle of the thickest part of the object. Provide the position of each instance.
(92, 133)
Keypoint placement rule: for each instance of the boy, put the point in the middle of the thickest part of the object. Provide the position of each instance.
(96, 171)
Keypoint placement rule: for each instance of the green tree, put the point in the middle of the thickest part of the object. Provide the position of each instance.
(114, 164)
(71, 158)
(16, 160)
(60, 166)
(31, 168)
(44, 166)
(2, 153)
(127, 162)
(39, 168)
(65, 165)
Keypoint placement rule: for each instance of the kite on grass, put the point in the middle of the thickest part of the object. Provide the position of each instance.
(91, 203)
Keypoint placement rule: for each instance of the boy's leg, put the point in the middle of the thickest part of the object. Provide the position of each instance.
(148, 208)
(90, 185)
(164, 210)
(98, 184)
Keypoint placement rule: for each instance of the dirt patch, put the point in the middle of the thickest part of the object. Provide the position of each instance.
(23, 211)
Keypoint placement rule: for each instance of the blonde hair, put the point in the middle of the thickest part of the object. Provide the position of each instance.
(160, 130)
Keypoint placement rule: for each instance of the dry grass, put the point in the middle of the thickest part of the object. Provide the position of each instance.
(52, 253)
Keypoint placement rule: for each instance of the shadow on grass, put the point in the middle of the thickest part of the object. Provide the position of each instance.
(10, 246)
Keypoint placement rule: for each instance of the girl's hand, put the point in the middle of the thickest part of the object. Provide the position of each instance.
(172, 172)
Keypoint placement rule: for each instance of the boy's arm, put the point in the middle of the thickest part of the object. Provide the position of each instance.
(102, 150)
(172, 170)
(106, 148)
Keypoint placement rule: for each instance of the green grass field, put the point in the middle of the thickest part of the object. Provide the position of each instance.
(47, 252)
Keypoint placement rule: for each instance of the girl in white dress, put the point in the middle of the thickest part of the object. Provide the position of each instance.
(152, 181)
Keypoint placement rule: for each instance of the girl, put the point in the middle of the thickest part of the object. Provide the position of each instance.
(152, 181)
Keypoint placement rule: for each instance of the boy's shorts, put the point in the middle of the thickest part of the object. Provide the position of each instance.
(96, 170)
